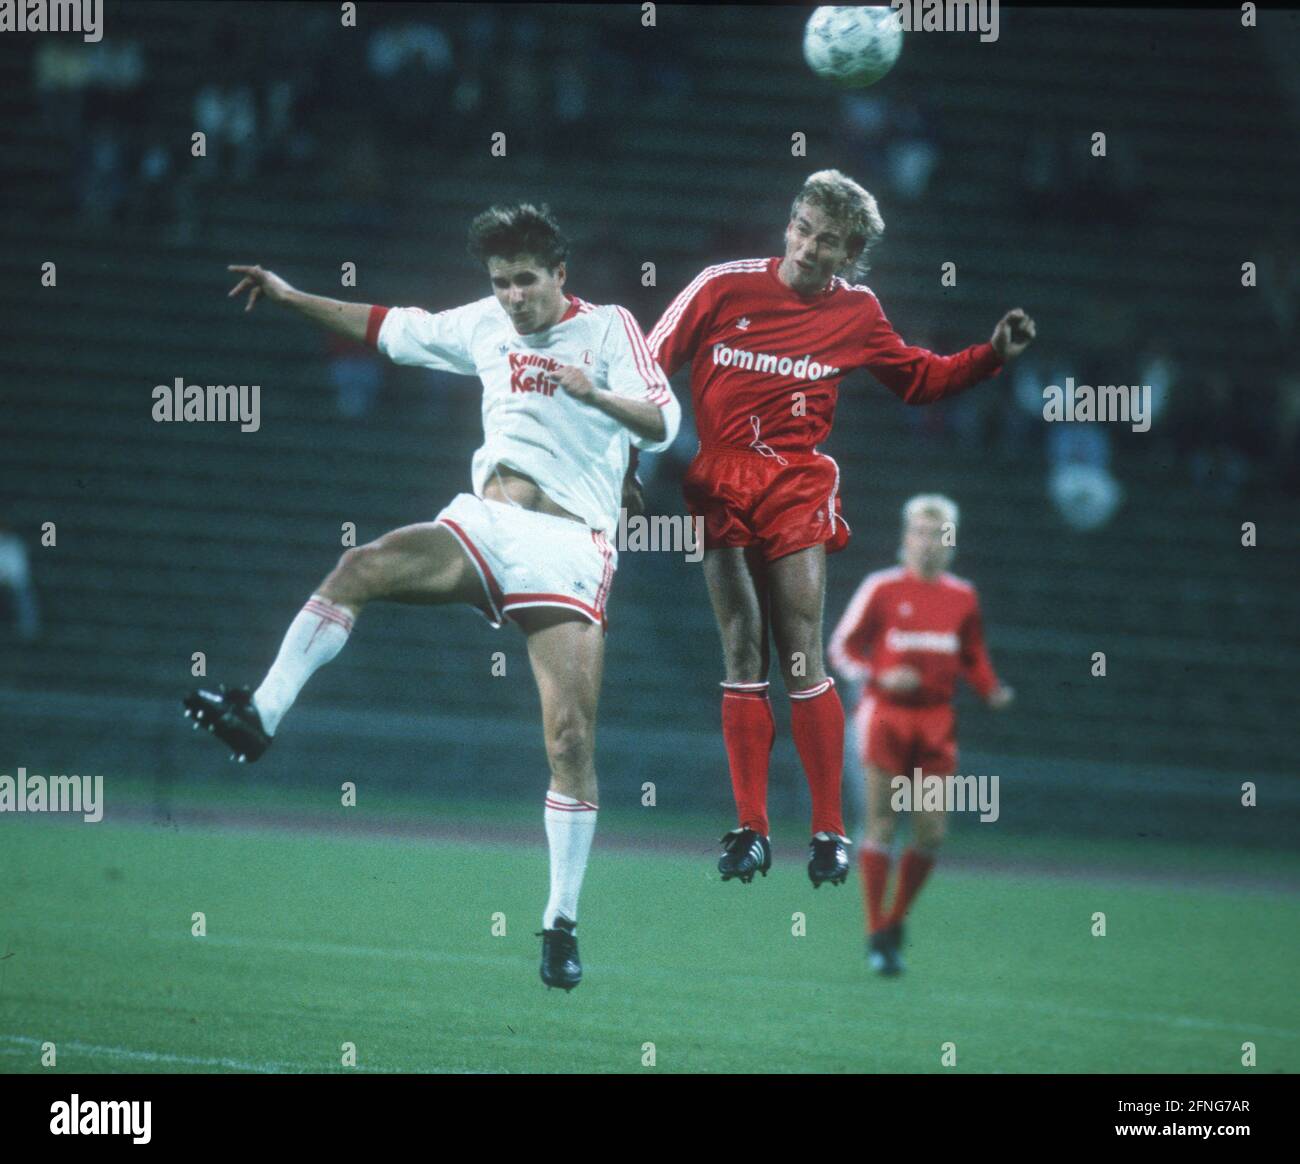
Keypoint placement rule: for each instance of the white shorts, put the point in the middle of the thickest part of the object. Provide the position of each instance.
(525, 558)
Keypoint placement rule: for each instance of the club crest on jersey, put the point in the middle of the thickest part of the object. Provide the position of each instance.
(528, 373)
(586, 357)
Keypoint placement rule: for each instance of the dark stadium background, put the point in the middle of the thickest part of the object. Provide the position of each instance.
(670, 146)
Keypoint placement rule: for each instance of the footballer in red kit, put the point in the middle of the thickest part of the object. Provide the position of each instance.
(768, 342)
(908, 634)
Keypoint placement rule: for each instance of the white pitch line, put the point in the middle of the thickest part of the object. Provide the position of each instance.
(20, 1044)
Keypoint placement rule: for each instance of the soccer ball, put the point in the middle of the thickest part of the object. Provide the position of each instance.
(853, 47)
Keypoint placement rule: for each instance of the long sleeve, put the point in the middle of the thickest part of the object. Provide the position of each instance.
(976, 665)
(633, 372)
(674, 339)
(850, 645)
(918, 376)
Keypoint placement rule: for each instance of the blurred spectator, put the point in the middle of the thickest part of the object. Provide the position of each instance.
(666, 68)
(16, 578)
(1211, 430)
(61, 72)
(1044, 175)
(889, 135)
(863, 130)
(100, 177)
(69, 75)
(522, 75)
(153, 200)
(1079, 481)
(226, 114)
(912, 153)
(1084, 495)
(1078, 442)
(1060, 177)
(619, 59)
(572, 92)
(1158, 370)
(115, 86)
(1154, 371)
(474, 95)
(412, 67)
(362, 177)
(1022, 404)
(356, 373)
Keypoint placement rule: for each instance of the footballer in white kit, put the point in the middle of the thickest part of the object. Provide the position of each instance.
(569, 388)
(526, 558)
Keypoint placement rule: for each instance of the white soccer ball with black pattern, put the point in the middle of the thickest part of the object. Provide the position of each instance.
(853, 47)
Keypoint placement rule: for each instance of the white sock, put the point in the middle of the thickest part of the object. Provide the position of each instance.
(570, 825)
(313, 639)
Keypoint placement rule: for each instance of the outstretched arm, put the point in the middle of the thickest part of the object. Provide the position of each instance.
(349, 319)
(918, 376)
(1013, 334)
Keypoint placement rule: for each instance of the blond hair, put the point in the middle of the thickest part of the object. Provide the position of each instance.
(935, 505)
(932, 505)
(842, 199)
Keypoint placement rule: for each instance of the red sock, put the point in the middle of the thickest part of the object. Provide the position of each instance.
(817, 721)
(912, 872)
(749, 731)
(874, 865)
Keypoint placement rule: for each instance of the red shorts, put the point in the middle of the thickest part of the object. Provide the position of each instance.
(783, 503)
(898, 739)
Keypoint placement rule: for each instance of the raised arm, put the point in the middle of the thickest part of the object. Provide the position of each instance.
(349, 319)
(918, 376)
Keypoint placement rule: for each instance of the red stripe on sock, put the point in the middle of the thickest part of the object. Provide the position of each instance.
(330, 614)
(581, 806)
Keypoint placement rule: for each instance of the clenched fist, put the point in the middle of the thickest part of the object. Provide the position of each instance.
(1013, 334)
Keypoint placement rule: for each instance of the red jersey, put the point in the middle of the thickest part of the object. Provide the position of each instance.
(934, 626)
(753, 343)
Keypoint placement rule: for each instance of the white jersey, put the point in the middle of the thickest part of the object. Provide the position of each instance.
(577, 454)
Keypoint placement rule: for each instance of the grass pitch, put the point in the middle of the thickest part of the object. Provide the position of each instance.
(317, 937)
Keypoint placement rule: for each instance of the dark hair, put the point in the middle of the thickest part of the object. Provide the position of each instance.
(506, 232)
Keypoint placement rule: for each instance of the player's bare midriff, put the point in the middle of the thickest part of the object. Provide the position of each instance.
(511, 486)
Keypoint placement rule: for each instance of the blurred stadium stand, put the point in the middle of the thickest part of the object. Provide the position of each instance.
(180, 538)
